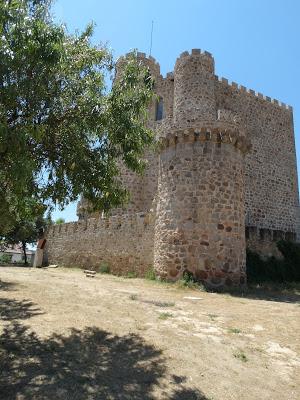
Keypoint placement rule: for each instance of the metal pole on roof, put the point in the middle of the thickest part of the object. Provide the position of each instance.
(151, 38)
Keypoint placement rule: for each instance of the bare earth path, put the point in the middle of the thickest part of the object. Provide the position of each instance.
(64, 336)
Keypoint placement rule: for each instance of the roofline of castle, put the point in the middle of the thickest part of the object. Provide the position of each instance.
(233, 85)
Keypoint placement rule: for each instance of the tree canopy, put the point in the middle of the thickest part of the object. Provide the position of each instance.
(60, 221)
(28, 228)
(63, 126)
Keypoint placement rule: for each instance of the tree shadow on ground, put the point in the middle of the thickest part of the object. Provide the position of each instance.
(11, 309)
(6, 286)
(269, 292)
(88, 364)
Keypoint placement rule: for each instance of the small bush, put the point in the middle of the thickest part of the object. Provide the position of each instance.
(150, 275)
(234, 330)
(212, 316)
(104, 268)
(5, 259)
(165, 315)
(240, 355)
(60, 221)
(131, 275)
(188, 281)
(274, 269)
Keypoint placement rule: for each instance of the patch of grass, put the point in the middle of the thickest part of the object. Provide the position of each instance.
(201, 287)
(212, 316)
(165, 315)
(188, 281)
(160, 303)
(133, 297)
(131, 275)
(104, 268)
(183, 284)
(163, 281)
(239, 354)
(166, 303)
(150, 275)
(234, 330)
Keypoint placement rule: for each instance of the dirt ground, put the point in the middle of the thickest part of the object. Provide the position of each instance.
(65, 336)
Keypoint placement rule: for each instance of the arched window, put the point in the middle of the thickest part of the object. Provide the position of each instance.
(159, 109)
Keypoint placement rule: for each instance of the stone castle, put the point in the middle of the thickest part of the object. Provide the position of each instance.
(225, 177)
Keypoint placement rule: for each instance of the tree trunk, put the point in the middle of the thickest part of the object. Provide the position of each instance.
(24, 252)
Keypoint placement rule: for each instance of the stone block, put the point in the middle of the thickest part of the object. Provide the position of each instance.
(38, 258)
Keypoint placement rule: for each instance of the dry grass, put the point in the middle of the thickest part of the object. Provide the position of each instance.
(64, 336)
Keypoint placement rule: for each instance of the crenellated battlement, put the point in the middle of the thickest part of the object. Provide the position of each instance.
(241, 88)
(148, 61)
(112, 223)
(206, 56)
(191, 62)
(195, 52)
(217, 132)
(124, 243)
(263, 241)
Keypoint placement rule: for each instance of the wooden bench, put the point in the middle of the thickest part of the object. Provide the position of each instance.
(89, 273)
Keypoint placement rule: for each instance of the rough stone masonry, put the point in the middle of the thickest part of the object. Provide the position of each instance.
(224, 178)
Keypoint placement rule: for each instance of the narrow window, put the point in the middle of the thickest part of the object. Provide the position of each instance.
(247, 232)
(159, 109)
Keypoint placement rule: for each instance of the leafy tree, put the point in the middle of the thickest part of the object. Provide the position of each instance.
(60, 221)
(28, 228)
(62, 130)
(5, 258)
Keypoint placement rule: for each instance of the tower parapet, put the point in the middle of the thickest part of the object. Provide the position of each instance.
(149, 62)
(194, 83)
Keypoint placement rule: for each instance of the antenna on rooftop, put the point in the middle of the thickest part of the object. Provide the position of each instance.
(152, 23)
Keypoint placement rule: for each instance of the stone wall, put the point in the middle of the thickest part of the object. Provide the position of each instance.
(263, 241)
(200, 224)
(270, 168)
(124, 242)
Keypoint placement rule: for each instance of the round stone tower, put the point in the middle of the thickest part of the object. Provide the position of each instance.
(194, 88)
(149, 62)
(141, 188)
(200, 224)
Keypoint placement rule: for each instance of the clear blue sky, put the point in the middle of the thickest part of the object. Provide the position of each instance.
(255, 43)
